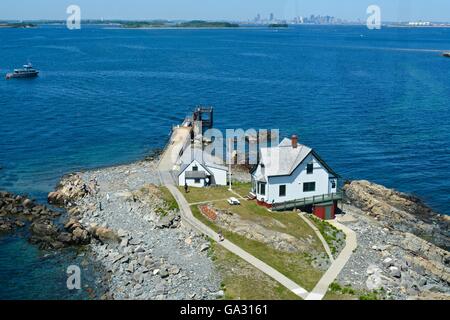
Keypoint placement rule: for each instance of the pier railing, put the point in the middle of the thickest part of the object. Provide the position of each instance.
(296, 204)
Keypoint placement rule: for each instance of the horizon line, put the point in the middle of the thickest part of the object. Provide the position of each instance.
(209, 20)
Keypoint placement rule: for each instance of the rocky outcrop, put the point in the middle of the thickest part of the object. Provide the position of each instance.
(402, 244)
(432, 259)
(399, 211)
(253, 231)
(136, 235)
(19, 211)
(71, 188)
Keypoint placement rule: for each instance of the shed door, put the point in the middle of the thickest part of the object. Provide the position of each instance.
(328, 213)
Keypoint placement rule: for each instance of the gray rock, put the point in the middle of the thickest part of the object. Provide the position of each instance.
(204, 247)
(374, 282)
(131, 267)
(138, 277)
(163, 273)
(395, 272)
(139, 249)
(372, 269)
(388, 262)
(219, 294)
(161, 289)
(124, 242)
(422, 282)
(174, 270)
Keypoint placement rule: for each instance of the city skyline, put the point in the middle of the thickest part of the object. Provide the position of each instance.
(350, 10)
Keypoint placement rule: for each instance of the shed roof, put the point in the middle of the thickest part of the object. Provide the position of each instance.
(195, 175)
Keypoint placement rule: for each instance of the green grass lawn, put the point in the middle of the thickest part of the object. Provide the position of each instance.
(339, 296)
(286, 222)
(242, 188)
(242, 281)
(195, 195)
(295, 266)
(168, 198)
(338, 292)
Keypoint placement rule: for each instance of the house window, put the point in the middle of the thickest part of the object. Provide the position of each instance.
(197, 180)
(194, 168)
(310, 168)
(309, 187)
(333, 184)
(283, 190)
(262, 189)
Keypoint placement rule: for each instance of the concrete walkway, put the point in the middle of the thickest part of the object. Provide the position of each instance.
(321, 287)
(171, 153)
(319, 235)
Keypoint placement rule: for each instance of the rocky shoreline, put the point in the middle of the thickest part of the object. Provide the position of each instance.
(128, 226)
(145, 251)
(402, 245)
(45, 229)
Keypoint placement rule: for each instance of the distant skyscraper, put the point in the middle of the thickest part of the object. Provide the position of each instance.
(258, 18)
(272, 17)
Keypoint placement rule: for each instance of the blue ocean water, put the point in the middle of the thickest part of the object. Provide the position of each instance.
(374, 104)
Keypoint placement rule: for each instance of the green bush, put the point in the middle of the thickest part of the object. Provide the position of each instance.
(369, 296)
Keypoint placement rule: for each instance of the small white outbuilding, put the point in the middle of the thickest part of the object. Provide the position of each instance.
(200, 173)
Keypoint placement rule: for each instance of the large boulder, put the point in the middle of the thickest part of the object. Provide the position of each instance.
(80, 236)
(42, 229)
(105, 234)
(374, 282)
(70, 188)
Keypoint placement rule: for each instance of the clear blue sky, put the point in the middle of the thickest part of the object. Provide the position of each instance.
(392, 10)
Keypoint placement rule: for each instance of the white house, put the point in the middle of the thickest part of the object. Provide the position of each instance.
(198, 172)
(291, 171)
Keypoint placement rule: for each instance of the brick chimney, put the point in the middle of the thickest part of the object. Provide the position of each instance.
(294, 140)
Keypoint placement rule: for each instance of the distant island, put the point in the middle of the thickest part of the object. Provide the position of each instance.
(206, 24)
(167, 24)
(278, 25)
(145, 24)
(17, 25)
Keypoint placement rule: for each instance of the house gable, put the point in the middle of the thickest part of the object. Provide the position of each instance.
(193, 164)
(293, 184)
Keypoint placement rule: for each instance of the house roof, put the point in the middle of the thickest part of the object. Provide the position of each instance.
(284, 159)
(195, 175)
(184, 166)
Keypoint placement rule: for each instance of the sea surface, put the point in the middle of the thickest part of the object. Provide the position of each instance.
(375, 104)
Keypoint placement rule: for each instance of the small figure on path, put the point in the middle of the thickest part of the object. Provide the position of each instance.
(221, 238)
(186, 188)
